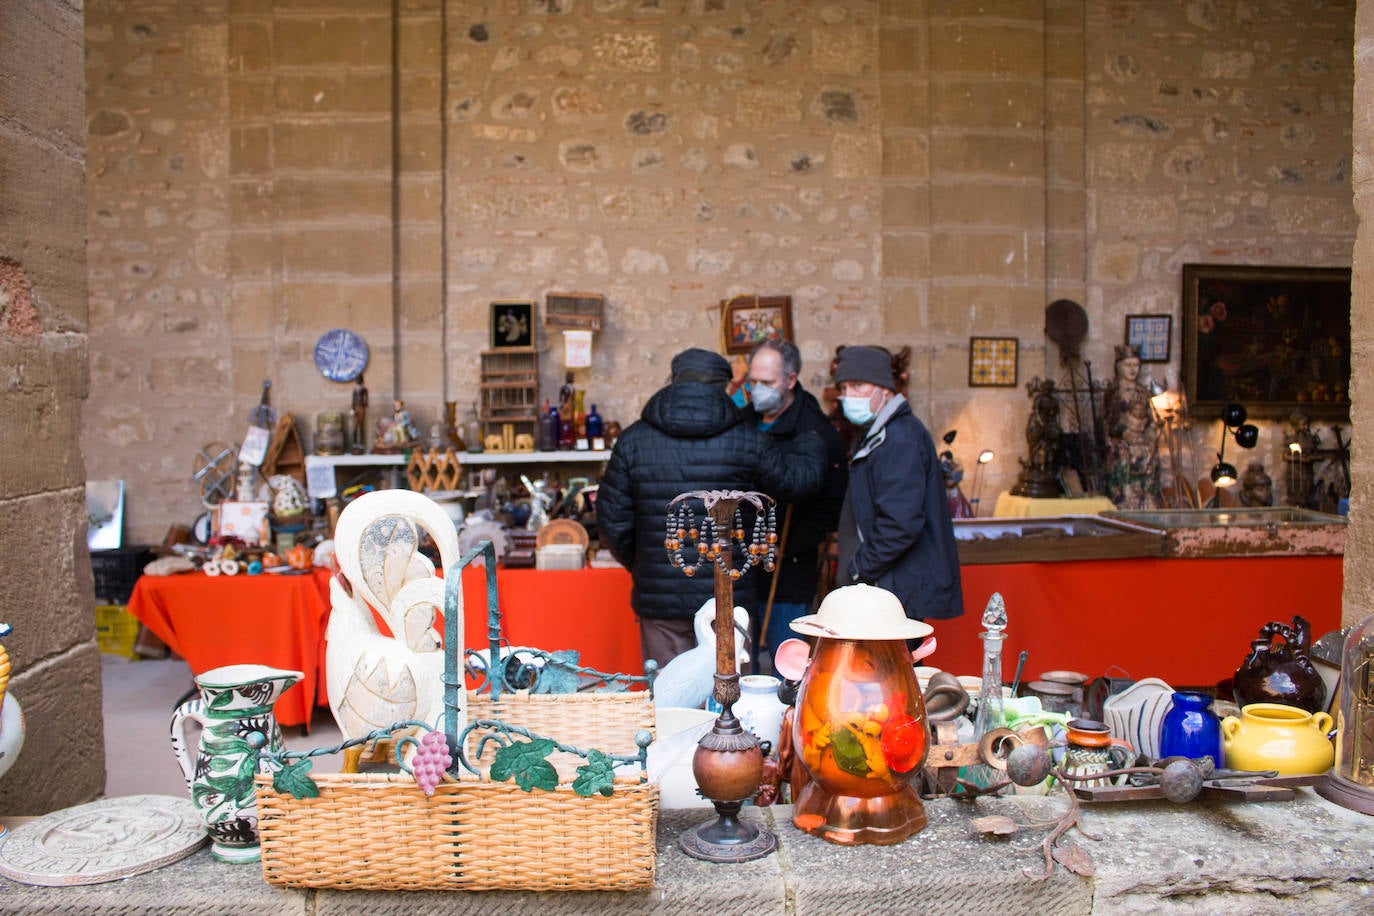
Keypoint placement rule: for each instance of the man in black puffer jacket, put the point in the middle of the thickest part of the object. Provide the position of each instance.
(690, 436)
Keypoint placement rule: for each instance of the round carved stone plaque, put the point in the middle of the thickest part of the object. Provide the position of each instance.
(102, 841)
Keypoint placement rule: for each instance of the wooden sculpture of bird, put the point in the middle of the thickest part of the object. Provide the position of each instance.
(373, 679)
(687, 680)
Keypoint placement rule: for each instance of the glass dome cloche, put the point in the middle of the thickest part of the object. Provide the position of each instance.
(1351, 781)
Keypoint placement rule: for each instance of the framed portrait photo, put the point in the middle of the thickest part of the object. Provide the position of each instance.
(1270, 338)
(750, 319)
(512, 323)
(992, 362)
(1151, 336)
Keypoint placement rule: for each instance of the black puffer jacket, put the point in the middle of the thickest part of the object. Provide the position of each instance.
(690, 437)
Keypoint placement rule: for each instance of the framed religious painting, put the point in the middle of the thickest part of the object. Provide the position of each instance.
(992, 362)
(1151, 336)
(746, 320)
(512, 323)
(1269, 338)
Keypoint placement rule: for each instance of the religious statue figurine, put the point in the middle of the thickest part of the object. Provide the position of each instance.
(1132, 464)
(959, 506)
(359, 416)
(1301, 446)
(397, 433)
(1256, 488)
(1039, 476)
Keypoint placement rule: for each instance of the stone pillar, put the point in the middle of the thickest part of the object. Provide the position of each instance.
(1359, 544)
(47, 596)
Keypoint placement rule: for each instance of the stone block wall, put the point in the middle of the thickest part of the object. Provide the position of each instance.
(47, 595)
(912, 172)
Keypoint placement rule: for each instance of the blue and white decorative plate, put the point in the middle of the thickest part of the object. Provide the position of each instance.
(340, 355)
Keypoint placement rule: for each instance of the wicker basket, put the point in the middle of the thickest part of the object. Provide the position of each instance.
(380, 832)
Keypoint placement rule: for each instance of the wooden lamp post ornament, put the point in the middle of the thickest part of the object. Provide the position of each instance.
(728, 763)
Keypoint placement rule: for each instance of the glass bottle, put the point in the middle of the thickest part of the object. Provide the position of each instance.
(472, 431)
(579, 417)
(555, 427)
(594, 426)
(547, 438)
(990, 711)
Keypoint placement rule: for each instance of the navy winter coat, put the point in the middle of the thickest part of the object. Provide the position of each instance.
(895, 531)
(690, 437)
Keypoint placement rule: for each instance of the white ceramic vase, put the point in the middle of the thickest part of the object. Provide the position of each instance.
(759, 709)
(1136, 714)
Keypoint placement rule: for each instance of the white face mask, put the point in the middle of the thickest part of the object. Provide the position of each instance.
(766, 399)
(858, 410)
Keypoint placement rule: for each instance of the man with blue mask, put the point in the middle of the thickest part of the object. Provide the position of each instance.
(895, 529)
(787, 412)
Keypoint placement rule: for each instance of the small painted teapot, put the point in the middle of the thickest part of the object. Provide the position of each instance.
(1280, 671)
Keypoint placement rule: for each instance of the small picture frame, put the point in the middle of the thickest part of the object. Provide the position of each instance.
(1151, 335)
(992, 362)
(746, 320)
(512, 323)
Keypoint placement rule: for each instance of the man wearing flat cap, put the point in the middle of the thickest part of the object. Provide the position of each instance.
(690, 436)
(895, 530)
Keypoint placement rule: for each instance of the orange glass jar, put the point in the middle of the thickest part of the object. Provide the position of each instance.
(860, 731)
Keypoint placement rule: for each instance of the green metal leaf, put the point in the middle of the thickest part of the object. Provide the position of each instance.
(596, 775)
(292, 779)
(524, 760)
(849, 752)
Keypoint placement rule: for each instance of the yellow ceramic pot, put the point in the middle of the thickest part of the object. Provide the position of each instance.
(1270, 736)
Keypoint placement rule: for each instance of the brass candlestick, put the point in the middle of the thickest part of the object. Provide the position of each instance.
(728, 762)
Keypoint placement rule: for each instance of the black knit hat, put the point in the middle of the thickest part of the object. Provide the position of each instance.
(698, 365)
(865, 364)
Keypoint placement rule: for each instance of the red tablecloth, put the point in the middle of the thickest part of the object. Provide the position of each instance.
(1188, 621)
(585, 609)
(276, 620)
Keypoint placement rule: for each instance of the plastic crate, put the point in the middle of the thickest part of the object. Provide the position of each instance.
(116, 630)
(115, 571)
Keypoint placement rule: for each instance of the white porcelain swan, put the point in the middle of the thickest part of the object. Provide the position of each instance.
(375, 680)
(687, 680)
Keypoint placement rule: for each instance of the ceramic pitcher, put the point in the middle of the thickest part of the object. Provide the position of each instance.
(234, 712)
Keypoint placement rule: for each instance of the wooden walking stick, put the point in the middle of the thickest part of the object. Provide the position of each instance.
(773, 583)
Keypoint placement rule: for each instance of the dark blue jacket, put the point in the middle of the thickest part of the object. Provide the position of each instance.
(690, 437)
(895, 531)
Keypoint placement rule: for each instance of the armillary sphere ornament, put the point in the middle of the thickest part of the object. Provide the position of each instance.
(728, 762)
(214, 468)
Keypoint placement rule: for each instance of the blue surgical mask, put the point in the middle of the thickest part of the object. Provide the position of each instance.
(857, 410)
(766, 400)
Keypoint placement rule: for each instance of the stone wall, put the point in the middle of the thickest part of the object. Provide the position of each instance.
(1359, 573)
(913, 173)
(43, 355)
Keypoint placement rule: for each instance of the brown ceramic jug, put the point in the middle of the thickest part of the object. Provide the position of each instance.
(1279, 671)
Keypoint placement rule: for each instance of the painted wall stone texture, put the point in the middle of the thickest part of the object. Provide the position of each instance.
(912, 173)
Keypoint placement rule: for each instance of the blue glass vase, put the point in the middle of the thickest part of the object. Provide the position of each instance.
(1191, 729)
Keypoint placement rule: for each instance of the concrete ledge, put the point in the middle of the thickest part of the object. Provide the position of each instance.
(1277, 857)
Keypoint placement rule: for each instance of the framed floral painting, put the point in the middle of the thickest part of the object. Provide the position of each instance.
(1269, 338)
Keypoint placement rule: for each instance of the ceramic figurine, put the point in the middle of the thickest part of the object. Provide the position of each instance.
(1277, 670)
(234, 711)
(374, 680)
(1038, 478)
(859, 725)
(1256, 487)
(1132, 465)
(687, 679)
(11, 716)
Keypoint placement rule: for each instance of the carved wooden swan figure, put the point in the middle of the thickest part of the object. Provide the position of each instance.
(375, 680)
